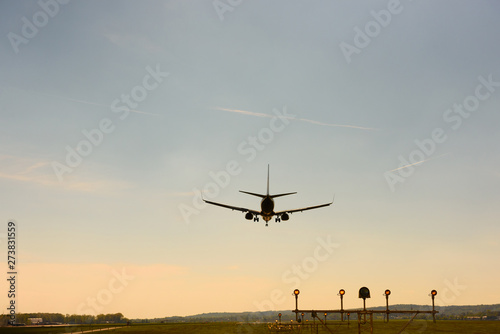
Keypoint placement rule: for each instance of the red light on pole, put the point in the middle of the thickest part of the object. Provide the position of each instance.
(296, 292)
(341, 294)
(433, 294)
(387, 293)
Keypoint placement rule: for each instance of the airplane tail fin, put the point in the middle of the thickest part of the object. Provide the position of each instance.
(267, 179)
(267, 194)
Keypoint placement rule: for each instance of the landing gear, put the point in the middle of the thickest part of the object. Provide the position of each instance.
(256, 219)
(278, 220)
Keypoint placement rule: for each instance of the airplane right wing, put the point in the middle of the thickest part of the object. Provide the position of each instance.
(304, 209)
(232, 207)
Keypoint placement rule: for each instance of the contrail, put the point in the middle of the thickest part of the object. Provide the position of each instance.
(251, 113)
(81, 101)
(334, 125)
(96, 104)
(418, 162)
(258, 114)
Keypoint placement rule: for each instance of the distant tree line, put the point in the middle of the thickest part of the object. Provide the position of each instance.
(486, 315)
(67, 319)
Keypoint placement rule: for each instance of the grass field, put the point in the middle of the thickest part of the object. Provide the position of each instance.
(394, 326)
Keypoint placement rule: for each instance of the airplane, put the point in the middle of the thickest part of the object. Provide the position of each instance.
(267, 206)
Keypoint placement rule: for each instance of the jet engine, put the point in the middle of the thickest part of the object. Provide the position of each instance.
(285, 216)
(248, 216)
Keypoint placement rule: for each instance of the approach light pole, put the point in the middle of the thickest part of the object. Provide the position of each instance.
(296, 292)
(364, 293)
(433, 294)
(325, 317)
(279, 315)
(341, 294)
(302, 314)
(387, 293)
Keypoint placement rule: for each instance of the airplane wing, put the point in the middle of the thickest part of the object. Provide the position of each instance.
(304, 209)
(232, 207)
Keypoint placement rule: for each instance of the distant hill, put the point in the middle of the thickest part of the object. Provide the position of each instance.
(464, 312)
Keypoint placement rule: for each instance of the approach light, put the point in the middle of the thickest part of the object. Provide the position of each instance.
(434, 292)
(296, 292)
(364, 292)
(387, 292)
(341, 292)
(279, 314)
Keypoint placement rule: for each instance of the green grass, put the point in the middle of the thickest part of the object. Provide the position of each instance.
(394, 326)
(53, 330)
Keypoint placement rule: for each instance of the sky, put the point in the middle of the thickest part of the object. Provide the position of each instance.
(117, 115)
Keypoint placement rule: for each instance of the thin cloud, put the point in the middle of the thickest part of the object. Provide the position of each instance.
(40, 173)
(182, 194)
(257, 114)
(418, 162)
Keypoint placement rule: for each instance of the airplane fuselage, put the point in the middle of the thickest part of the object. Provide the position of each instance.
(267, 208)
(267, 205)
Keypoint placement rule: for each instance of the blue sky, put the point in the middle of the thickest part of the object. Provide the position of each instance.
(392, 107)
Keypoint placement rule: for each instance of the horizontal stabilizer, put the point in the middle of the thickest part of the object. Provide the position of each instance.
(279, 195)
(254, 194)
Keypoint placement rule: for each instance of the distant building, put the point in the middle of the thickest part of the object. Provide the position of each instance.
(35, 321)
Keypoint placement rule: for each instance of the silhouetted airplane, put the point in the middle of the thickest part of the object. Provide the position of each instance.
(267, 206)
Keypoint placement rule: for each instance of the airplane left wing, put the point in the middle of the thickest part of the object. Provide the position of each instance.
(232, 207)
